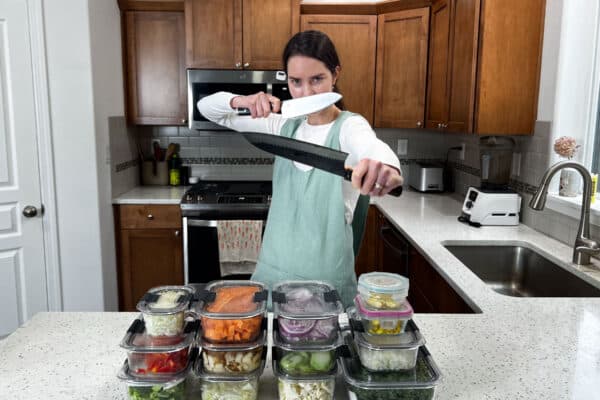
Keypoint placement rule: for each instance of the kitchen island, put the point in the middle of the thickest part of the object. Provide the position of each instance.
(514, 348)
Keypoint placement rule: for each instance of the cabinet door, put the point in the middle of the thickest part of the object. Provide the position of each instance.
(401, 68)
(367, 257)
(354, 37)
(267, 27)
(155, 67)
(213, 30)
(437, 88)
(464, 34)
(148, 258)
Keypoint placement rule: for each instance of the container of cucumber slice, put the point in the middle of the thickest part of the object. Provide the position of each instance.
(307, 359)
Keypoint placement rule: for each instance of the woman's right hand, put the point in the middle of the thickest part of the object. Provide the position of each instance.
(260, 104)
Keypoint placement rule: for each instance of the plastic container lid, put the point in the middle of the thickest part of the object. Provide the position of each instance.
(426, 375)
(233, 299)
(405, 312)
(246, 346)
(306, 300)
(137, 340)
(163, 300)
(278, 341)
(384, 282)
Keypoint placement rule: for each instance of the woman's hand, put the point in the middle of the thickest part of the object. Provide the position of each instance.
(375, 178)
(260, 104)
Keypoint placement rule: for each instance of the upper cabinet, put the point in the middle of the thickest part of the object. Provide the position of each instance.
(402, 38)
(239, 34)
(484, 66)
(354, 37)
(154, 59)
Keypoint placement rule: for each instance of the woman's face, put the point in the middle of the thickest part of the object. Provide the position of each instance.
(308, 76)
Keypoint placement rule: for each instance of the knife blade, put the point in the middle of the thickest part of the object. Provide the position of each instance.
(302, 106)
(320, 157)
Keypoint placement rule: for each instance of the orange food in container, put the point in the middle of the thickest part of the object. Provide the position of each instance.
(233, 311)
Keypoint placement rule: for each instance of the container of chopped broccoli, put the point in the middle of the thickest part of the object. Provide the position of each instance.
(416, 384)
(154, 388)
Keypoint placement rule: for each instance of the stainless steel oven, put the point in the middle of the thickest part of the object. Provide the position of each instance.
(202, 207)
(202, 83)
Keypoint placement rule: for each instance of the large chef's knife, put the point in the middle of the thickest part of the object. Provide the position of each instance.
(320, 157)
(303, 105)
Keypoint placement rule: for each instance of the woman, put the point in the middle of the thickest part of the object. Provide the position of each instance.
(309, 228)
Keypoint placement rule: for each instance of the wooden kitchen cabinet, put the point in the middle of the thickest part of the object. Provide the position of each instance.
(355, 38)
(402, 38)
(367, 259)
(155, 76)
(484, 66)
(149, 250)
(239, 34)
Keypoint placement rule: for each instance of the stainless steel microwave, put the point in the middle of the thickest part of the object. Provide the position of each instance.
(203, 82)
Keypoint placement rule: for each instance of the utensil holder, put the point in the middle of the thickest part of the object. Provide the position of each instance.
(155, 176)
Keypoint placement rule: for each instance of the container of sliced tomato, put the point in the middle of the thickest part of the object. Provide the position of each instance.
(149, 356)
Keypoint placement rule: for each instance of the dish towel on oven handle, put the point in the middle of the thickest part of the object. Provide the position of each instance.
(239, 245)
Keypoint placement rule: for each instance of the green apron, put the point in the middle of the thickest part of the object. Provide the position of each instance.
(307, 237)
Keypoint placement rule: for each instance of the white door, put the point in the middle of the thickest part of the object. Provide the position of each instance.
(23, 289)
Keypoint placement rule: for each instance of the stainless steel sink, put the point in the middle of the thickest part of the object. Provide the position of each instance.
(521, 272)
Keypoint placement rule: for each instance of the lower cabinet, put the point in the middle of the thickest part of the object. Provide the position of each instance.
(385, 249)
(149, 250)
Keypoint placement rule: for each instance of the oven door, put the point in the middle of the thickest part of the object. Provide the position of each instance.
(201, 252)
(202, 83)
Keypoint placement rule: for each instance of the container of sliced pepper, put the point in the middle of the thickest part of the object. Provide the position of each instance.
(150, 356)
(307, 311)
(171, 387)
(164, 309)
(416, 384)
(233, 311)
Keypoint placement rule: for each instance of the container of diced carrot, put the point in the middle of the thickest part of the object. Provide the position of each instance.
(233, 311)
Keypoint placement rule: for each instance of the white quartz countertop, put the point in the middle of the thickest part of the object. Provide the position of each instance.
(516, 348)
(152, 195)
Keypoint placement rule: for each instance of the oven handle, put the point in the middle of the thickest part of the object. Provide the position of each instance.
(201, 222)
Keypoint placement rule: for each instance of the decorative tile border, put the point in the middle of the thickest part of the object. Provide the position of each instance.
(126, 165)
(228, 161)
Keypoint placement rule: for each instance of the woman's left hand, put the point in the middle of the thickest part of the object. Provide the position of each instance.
(375, 178)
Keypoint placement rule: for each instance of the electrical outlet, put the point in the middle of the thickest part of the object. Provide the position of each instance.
(461, 153)
(402, 147)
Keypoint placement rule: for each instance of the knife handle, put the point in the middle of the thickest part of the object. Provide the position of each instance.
(246, 111)
(394, 192)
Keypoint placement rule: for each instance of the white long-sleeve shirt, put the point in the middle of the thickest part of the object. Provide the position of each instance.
(357, 138)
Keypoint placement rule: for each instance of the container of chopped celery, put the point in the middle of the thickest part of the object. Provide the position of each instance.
(164, 309)
(301, 387)
(416, 384)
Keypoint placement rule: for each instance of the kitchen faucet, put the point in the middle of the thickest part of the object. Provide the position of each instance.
(584, 246)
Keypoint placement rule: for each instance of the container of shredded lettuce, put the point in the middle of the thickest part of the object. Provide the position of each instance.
(164, 309)
(416, 384)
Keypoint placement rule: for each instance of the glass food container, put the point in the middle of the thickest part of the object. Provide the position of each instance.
(383, 322)
(234, 358)
(233, 311)
(305, 359)
(416, 384)
(151, 388)
(157, 355)
(164, 309)
(209, 386)
(307, 311)
(299, 387)
(383, 290)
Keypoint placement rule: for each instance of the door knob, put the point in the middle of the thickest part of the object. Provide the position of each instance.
(246, 65)
(238, 65)
(30, 211)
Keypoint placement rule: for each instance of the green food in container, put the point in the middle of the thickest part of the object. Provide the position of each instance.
(157, 392)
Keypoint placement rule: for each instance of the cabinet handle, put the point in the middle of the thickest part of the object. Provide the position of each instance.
(176, 233)
(440, 125)
(444, 126)
(238, 65)
(150, 217)
(246, 65)
(184, 121)
(419, 123)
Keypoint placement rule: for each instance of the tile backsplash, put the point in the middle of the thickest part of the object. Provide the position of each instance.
(226, 154)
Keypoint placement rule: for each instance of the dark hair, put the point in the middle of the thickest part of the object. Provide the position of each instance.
(313, 44)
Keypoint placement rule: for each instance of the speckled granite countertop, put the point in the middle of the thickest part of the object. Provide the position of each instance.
(516, 348)
(152, 195)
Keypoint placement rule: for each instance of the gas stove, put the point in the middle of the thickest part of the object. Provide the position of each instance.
(227, 200)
